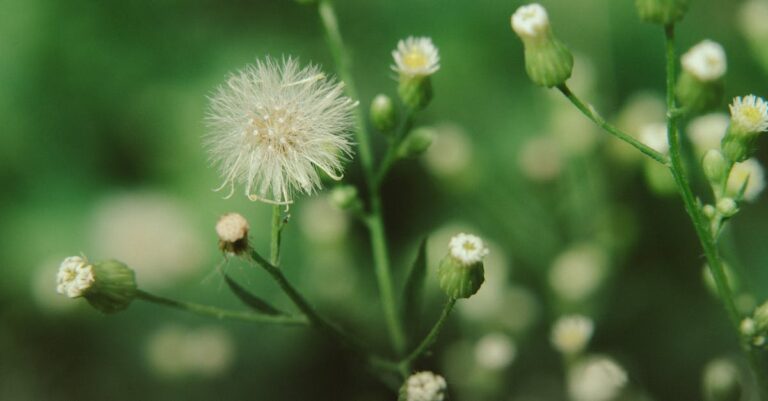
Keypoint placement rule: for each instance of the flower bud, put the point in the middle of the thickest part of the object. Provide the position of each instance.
(423, 386)
(461, 272)
(661, 11)
(416, 59)
(345, 197)
(232, 229)
(416, 143)
(700, 86)
(709, 211)
(383, 113)
(727, 207)
(749, 118)
(714, 167)
(760, 317)
(548, 62)
(721, 381)
(108, 286)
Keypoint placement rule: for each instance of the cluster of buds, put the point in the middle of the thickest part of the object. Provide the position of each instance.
(754, 329)
(548, 61)
(109, 286)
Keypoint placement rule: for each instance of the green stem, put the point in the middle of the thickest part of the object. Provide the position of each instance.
(374, 221)
(277, 228)
(431, 337)
(391, 156)
(700, 222)
(592, 114)
(218, 313)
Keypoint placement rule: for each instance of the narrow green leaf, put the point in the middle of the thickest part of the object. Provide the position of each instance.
(414, 289)
(256, 303)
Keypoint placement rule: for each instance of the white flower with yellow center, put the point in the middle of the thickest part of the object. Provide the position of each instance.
(416, 57)
(75, 277)
(706, 61)
(751, 170)
(424, 386)
(530, 21)
(749, 115)
(570, 334)
(274, 124)
(467, 249)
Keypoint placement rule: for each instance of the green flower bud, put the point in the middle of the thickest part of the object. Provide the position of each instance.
(709, 211)
(416, 143)
(345, 197)
(548, 62)
(727, 207)
(714, 165)
(416, 59)
(749, 118)
(461, 272)
(383, 114)
(108, 286)
(232, 229)
(662, 11)
(721, 381)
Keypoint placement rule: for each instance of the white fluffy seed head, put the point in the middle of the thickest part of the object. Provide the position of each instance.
(425, 386)
(530, 21)
(274, 124)
(570, 334)
(232, 227)
(416, 57)
(75, 277)
(749, 115)
(467, 249)
(706, 61)
(751, 170)
(597, 378)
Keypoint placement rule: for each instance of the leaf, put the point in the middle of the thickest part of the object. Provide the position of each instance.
(414, 288)
(256, 303)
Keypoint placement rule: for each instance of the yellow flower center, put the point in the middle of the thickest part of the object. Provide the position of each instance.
(752, 114)
(415, 59)
(468, 246)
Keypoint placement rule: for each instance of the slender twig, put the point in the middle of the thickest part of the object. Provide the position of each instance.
(700, 223)
(394, 146)
(374, 220)
(224, 314)
(277, 230)
(592, 114)
(431, 336)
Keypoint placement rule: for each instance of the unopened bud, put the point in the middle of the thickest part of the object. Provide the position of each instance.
(727, 207)
(383, 115)
(416, 143)
(232, 229)
(548, 61)
(715, 166)
(345, 197)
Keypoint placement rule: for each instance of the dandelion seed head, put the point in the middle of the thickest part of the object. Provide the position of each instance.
(467, 248)
(273, 125)
(416, 56)
(749, 114)
(75, 277)
(706, 61)
(530, 21)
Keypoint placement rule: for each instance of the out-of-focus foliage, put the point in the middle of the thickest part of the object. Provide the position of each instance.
(102, 107)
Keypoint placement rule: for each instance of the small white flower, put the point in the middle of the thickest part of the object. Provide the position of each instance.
(274, 124)
(751, 170)
(570, 334)
(706, 61)
(467, 248)
(416, 57)
(598, 378)
(232, 227)
(749, 114)
(578, 272)
(75, 276)
(655, 136)
(530, 21)
(706, 132)
(425, 386)
(495, 351)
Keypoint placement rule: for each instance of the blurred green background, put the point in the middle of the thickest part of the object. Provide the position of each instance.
(102, 105)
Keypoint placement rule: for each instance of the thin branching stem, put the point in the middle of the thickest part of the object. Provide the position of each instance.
(431, 337)
(374, 220)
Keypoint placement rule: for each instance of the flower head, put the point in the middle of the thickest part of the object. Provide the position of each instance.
(416, 57)
(232, 227)
(467, 248)
(530, 21)
(706, 61)
(598, 378)
(751, 172)
(273, 124)
(75, 277)
(570, 334)
(423, 386)
(749, 115)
